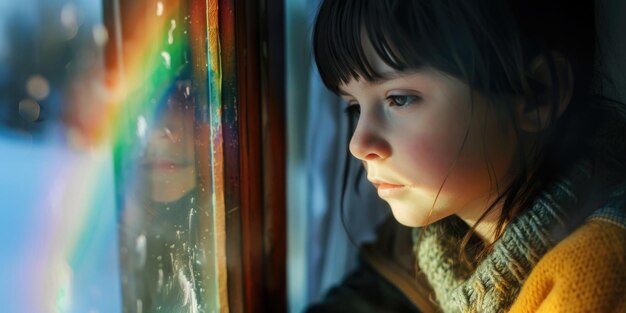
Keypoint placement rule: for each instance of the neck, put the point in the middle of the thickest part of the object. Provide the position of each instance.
(485, 229)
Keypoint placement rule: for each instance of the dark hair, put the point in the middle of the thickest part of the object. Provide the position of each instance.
(487, 44)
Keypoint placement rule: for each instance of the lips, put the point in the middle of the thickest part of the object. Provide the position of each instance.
(386, 186)
(386, 189)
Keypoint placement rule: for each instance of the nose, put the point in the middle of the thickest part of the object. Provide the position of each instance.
(164, 132)
(368, 142)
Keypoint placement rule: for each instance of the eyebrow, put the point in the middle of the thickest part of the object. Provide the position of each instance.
(385, 77)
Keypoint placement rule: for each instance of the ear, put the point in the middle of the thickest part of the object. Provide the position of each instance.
(537, 115)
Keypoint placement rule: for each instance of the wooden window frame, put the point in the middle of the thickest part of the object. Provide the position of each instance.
(261, 219)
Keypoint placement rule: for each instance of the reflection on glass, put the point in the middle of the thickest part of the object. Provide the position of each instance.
(161, 248)
(167, 251)
(168, 161)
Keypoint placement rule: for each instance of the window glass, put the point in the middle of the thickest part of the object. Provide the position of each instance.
(134, 135)
(168, 254)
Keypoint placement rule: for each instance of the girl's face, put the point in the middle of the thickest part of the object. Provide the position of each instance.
(422, 136)
(169, 161)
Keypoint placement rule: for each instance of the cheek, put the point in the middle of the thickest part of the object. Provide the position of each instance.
(432, 154)
(429, 157)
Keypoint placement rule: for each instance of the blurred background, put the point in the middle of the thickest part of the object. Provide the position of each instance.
(57, 217)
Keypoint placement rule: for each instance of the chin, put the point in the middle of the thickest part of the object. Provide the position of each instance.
(412, 216)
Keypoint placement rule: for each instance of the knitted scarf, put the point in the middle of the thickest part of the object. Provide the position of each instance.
(493, 285)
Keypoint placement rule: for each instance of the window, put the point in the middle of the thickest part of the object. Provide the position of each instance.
(145, 142)
(198, 155)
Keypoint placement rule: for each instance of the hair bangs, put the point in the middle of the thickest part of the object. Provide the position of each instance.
(466, 41)
(345, 28)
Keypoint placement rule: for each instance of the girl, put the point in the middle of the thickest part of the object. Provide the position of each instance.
(477, 123)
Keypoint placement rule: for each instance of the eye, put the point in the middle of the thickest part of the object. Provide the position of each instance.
(402, 100)
(353, 111)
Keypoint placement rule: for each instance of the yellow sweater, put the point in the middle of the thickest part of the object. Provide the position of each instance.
(586, 272)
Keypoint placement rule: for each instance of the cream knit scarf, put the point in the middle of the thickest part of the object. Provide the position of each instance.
(493, 285)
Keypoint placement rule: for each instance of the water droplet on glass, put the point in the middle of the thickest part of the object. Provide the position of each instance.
(140, 248)
(167, 59)
(142, 126)
(190, 217)
(139, 306)
(159, 11)
(160, 281)
(100, 35)
(29, 110)
(169, 134)
(189, 294)
(38, 87)
(170, 33)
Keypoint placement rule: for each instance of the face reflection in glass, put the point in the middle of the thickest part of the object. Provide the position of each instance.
(164, 260)
(168, 163)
